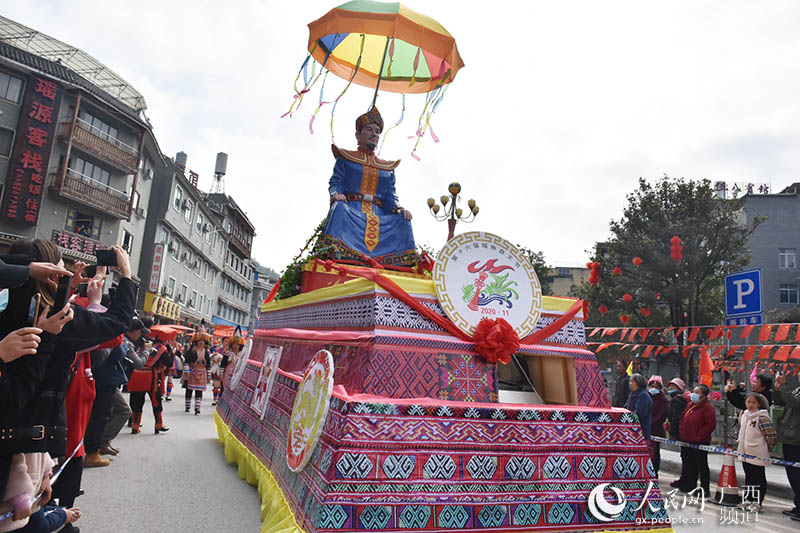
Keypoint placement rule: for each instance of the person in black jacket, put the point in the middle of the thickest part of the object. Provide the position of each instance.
(32, 389)
(677, 403)
(762, 384)
(623, 388)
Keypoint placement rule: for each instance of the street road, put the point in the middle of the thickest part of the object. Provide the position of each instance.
(715, 518)
(176, 481)
(179, 482)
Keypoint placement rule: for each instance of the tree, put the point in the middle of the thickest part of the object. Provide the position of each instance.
(662, 291)
(537, 260)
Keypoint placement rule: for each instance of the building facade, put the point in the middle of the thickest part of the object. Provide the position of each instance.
(76, 162)
(564, 278)
(774, 245)
(186, 246)
(235, 288)
(264, 279)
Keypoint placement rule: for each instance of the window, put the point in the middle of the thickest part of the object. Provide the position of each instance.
(83, 224)
(205, 271)
(786, 258)
(164, 235)
(208, 306)
(91, 171)
(176, 249)
(219, 308)
(197, 265)
(201, 303)
(193, 301)
(187, 216)
(171, 287)
(182, 295)
(127, 242)
(178, 200)
(10, 87)
(137, 198)
(99, 127)
(788, 294)
(201, 220)
(189, 257)
(6, 142)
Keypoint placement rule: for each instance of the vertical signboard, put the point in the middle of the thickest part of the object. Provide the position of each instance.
(155, 272)
(743, 298)
(27, 172)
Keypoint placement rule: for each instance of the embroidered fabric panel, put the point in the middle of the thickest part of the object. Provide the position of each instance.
(384, 466)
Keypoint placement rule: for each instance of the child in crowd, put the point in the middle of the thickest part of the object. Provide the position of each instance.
(756, 437)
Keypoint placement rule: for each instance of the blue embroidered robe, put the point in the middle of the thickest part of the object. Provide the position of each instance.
(368, 223)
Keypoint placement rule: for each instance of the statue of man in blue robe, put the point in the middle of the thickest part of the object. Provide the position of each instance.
(365, 217)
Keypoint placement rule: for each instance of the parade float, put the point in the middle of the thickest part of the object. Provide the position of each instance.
(395, 393)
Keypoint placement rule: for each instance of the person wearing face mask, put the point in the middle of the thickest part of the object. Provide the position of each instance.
(657, 418)
(697, 424)
(677, 404)
(639, 402)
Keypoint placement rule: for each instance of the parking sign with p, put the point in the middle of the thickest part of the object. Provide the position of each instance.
(743, 293)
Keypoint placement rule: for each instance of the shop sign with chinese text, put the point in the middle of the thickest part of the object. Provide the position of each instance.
(155, 272)
(27, 171)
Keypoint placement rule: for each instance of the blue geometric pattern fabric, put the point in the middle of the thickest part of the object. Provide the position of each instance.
(556, 467)
(626, 467)
(375, 517)
(492, 515)
(439, 467)
(482, 466)
(399, 466)
(561, 513)
(453, 517)
(520, 468)
(593, 467)
(527, 514)
(354, 465)
(415, 516)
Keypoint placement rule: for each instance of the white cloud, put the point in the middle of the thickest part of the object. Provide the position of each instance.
(559, 110)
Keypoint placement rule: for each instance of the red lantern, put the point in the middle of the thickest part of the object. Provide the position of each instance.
(627, 297)
(603, 309)
(645, 312)
(657, 295)
(589, 265)
(676, 249)
(594, 276)
(617, 271)
(624, 319)
(637, 261)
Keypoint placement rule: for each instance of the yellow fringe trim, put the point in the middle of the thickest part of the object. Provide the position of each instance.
(276, 515)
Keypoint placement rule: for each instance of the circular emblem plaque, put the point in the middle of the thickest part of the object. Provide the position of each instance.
(310, 410)
(479, 275)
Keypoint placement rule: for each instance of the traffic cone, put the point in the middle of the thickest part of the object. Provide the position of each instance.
(727, 489)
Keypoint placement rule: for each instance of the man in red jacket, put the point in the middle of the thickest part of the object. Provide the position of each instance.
(697, 424)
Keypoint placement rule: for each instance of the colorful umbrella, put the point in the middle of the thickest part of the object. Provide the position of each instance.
(359, 39)
(382, 45)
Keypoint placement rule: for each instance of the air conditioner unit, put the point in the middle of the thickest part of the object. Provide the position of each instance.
(149, 174)
(206, 228)
(179, 299)
(191, 303)
(171, 246)
(197, 264)
(164, 291)
(184, 205)
(185, 256)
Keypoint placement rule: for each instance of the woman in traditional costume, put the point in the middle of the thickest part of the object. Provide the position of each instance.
(197, 370)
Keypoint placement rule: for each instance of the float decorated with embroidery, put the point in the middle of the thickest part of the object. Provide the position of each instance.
(388, 391)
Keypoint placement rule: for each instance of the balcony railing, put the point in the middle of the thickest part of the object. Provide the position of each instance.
(240, 244)
(95, 194)
(96, 142)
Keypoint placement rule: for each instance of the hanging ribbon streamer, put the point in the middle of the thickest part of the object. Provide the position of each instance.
(416, 65)
(298, 93)
(391, 59)
(321, 103)
(402, 115)
(349, 82)
(431, 103)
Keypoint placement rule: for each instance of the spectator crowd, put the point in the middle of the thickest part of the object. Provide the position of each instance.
(68, 353)
(687, 415)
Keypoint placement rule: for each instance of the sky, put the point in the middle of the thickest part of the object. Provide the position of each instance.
(561, 106)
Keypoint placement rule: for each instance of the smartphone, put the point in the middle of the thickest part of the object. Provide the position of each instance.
(62, 295)
(90, 271)
(106, 257)
(33, 310)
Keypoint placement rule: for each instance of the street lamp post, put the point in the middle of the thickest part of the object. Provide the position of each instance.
(452, 213)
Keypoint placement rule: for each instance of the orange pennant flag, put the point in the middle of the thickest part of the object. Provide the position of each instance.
(693, 332)
(782, 354)
(783, 332)
(765, 331)
(647, 352)
(594, 332)
(685, 352)
(732, 350)
(706, 368)
(749, 352)
(795, 353)
(604, 346)
(680, 331)
(763, 353)
(746, 332)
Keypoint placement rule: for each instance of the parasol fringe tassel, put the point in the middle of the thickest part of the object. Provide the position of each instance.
(349, 82)
(321, 103)
(402, 115)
